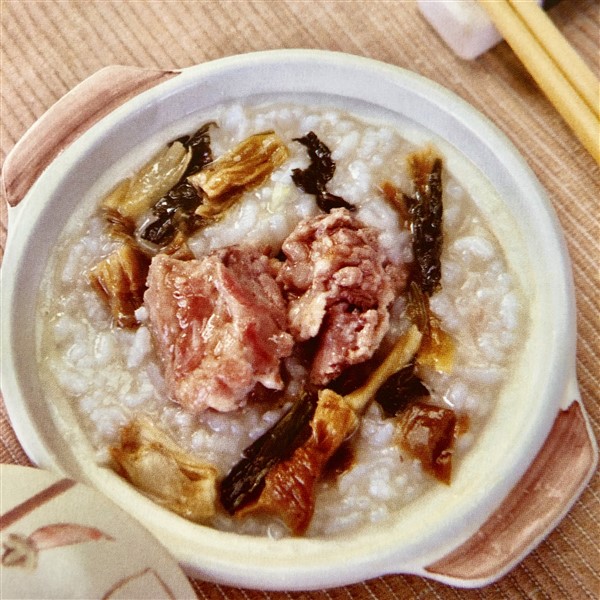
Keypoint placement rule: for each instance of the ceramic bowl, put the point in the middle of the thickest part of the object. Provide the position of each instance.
(509, 491)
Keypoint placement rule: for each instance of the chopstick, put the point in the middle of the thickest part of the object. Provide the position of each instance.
(561, 52)
(555, 66)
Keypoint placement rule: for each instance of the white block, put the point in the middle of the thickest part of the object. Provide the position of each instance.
(463, 24)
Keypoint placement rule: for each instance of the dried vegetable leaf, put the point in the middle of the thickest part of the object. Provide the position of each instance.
(244, 167)
(120, 279)
(119, 227)
(158, 467)
(393, 196)
(289, 488)
(437, 347)
(427, 432)
(400, 389)
(138, 194)
(423, 213)
(425, 210)
(313, 180)
(173, 215)
(401, 354)
(199, 144)
(246, 479)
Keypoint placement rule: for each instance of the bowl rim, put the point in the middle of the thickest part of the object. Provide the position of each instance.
(306, 555)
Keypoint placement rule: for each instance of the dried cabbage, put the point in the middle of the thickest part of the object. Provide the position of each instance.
(158, 467)
(289, 487)
(243, 168)
(138, 194)
(437, 347)
(313, 180)
(425, 210)
(120, 280)
(400, 389)
(173, 215)
(427, 433)
(246, 479)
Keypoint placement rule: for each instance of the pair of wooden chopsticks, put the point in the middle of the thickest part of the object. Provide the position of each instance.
(553, 63)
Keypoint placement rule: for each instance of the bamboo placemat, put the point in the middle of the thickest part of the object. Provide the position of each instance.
(47, 47)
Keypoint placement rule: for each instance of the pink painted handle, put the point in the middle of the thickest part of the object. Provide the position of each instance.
(66, 120)
(534, 507)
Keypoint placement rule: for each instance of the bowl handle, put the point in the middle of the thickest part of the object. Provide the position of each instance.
(66, 120)
(542, 497)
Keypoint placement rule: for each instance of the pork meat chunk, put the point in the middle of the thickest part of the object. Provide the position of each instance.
(339, 285)
(219, 326)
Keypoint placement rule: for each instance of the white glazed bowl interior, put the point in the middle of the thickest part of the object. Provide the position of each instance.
(424, 530)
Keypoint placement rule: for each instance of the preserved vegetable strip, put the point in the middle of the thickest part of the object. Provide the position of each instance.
(314, 178)
(244, 167)
(427, 433)
(397, 200)
(245, 481)
(120, 280)
(289, 487)
(174, 212)
(425, 211)
(437, 347)
(138, 194)
(199, 143)
(403, 351)
(157, 466)
(400, 389)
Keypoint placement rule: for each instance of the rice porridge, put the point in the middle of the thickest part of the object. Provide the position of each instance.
(114, 374)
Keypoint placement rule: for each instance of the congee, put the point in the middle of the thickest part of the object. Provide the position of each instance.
(289, 320)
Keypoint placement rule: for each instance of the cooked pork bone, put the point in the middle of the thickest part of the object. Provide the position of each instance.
(219, 326)
(339, 284)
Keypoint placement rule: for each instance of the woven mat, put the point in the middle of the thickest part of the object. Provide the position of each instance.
(49, 46)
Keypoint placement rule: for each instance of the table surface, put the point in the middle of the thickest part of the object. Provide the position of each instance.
(47, 47)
